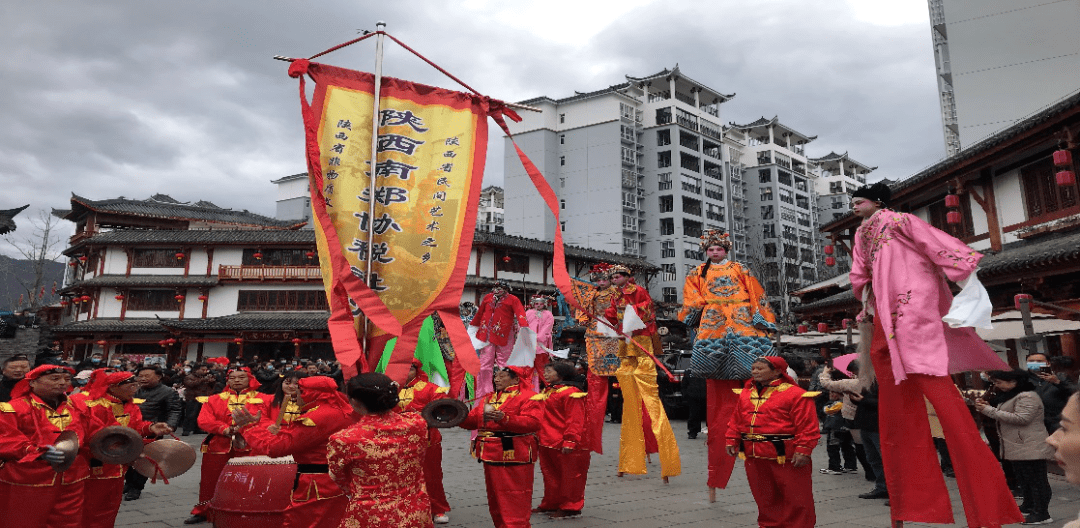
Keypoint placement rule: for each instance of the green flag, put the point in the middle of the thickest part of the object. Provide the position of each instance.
(427, 351)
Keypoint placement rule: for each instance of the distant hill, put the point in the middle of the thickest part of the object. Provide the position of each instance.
(14, 272)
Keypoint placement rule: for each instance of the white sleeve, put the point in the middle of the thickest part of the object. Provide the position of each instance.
(971, 307)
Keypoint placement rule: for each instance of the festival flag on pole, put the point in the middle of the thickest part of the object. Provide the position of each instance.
(427, 351)
(416, 228)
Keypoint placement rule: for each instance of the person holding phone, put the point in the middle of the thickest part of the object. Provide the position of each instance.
(1053, 389)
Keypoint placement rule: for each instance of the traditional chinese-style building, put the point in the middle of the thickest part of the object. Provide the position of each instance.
(162, 278)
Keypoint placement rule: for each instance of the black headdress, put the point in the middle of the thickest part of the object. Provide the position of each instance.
(878, 192)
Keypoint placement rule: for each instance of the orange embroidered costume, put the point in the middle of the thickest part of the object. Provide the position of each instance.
(637, 379)
(508, 448)
(601, 351)
(316, 500)
(104, 490)
(732, 315)
(561, 429)
(770, 425)
(32, 493)
(218, 447)
(413, 398)
(377, 461)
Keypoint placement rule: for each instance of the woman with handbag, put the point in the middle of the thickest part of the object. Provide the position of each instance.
(733, 319)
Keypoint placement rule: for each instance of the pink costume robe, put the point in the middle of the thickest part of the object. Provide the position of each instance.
(542, 322)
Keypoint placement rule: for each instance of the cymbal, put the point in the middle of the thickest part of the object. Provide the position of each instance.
(116, 444)
(172, 456)
(68, 444)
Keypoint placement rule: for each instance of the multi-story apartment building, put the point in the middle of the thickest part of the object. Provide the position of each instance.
(837, 177)
(489, 214)
(782, 207)
(293, 198)
(640, 168)
(999, 61)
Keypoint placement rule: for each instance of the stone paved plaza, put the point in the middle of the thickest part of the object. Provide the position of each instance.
(629, 502)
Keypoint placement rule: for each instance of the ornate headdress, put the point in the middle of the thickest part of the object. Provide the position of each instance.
(619, 268)
(600, 270)
(501, 284)
(878, 192)
(715, 237)
(540, 297)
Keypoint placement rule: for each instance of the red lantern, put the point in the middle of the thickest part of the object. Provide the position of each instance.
(162, 343)
(1062, 158)
(296, 340)
(953, 217)
(119, 297)
(63, 303)
(179, 297)
(203, 297)
(85, 298)
(258, 255)
(1019, 297)
(180, 256)
(1065, 178)
(102, 342)
(310, 254)
(171, 341)
(506, 259)
(823, 328)
(238, 340)
(73, 263)
(829, 249)
(803, 329)
(952, 200)
(82, 258)
(830, 261)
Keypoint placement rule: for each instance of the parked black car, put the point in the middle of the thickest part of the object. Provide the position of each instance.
(672, 393)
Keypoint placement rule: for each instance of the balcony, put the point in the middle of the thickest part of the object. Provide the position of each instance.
(268, 273)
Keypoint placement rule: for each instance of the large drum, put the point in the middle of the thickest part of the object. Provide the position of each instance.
(253, 492)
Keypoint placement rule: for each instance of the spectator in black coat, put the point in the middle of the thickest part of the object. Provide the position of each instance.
(1053, 389)
(160, 403)
(866, 421)
(695, 393)
(14, 370)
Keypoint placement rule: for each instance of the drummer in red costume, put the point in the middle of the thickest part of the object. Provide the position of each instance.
(316, 501)
(507, 421)
(564, 458)
(774, 428)
(498, 319)
(419, 392)
(223, 440)
(32, 493)
(110, 401)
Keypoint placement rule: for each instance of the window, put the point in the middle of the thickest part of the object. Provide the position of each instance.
(769, 231)
(562, 181)
(562, 226)
(800, 184)
(691, 228)
(691, 184)
(630, 199)
(689, 140)
(629, 223)
(156, 258)
(626, 111)
(562, 160)
(629, 246)
(668, 271)
(667, 249)
(714, 212)
(663, 116)
(562, 139)
(276, 257)
(787, 196)
(670, 295)
(764, 175)
(784, 178)
(629, 156)
(802, 201)
(714, 191)
(767, 212)
(280, 300)
(691, 206)
(692, 250)
(766, 194)
(153, 300)
(562, 203)
(663, 159)
(667, 226)
(836, 187)
(664, 181)
(663, 137)
(515, 264)
(770, 249)
(562, 118)
(1042, 195)
(627, 133)
(689, 162)
(667, 204)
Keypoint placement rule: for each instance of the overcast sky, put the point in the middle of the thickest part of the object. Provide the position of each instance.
(132, 98)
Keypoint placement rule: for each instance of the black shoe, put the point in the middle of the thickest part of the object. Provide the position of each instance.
(875, 494)
(131, 495)
(195, 519)
(948, 473)
(691, 436)
(1037, 519)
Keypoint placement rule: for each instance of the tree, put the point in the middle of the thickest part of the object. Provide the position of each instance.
(39, 250)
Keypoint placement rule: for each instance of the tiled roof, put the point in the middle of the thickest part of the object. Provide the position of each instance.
(109, 325)
(472, 281)
(143, 281)
(840, 299)
(279, 321)
(164, 206)
(539, 246)
(1032, 255)
(760, 122)
(150, 237)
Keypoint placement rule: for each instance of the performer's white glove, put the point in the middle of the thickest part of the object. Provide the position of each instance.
(53, 455)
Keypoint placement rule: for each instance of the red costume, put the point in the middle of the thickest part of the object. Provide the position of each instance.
(508, 448)
(377, 462)
(316, 500)
(498, 321)
(602, 354)
(771, 424)
(413, 398)
(104, 490)
(218, 447)
(562, 427)
(32, 494)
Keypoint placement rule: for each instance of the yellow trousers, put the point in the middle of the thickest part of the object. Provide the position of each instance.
(637, 379)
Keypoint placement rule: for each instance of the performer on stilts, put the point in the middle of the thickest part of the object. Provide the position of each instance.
(541, 321)
(602, 351)
(727, 305)
(897, 265)
(111, 402)
(32, 493)
(496, 322)
(637, 379)
(417, 393)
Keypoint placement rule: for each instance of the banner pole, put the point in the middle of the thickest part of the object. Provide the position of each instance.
(380, 29)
